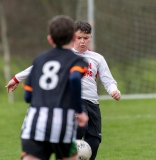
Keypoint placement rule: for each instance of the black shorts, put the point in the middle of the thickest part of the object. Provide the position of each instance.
(94, 114)
(43, 150)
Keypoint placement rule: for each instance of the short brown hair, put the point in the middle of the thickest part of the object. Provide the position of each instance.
(61, 29)
(83, 26)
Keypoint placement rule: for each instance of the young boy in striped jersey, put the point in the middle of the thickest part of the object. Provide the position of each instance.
(97, 66)
(53, 89)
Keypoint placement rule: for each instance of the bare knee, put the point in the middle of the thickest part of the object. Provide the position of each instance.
(30, 157)
(72, 158)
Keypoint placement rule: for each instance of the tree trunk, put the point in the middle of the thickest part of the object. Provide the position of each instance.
(5, 47)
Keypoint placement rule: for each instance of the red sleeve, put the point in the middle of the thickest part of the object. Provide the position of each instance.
(15, 80)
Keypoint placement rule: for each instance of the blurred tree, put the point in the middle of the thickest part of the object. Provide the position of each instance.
(125, 35)
(6, 50)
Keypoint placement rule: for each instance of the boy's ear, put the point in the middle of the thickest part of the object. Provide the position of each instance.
(50, 40)
(74, 38)
(91, 37)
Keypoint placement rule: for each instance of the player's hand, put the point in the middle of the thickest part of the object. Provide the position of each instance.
(82, 119)
(116, 95)
(11, 86)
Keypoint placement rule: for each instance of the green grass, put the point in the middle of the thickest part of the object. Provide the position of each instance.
(128, 128)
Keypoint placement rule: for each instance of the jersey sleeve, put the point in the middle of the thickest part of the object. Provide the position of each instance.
(80, 66)
(106, 77)
(75, 87)
(28, 86)
(23, 74)
(76, 73)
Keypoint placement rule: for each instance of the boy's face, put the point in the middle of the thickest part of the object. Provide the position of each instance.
(82, 41)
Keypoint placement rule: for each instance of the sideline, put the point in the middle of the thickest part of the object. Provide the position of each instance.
(129, 96)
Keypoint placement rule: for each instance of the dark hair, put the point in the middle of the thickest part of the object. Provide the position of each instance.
(61, 29)
(83, 26)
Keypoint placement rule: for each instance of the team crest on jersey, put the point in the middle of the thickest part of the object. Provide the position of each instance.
(89, 71)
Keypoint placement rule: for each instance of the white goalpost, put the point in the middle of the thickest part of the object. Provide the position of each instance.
(92, 22)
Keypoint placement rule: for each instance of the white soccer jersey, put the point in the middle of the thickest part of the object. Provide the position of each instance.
(24, 74)
(97, 67)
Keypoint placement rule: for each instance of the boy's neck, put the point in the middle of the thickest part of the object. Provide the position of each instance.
(80, 50)
(68, 46)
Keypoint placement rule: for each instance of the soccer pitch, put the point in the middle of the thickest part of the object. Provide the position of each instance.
(128, 128)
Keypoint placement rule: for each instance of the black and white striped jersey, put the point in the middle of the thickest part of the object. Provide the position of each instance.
(52, 125)
(51, 115)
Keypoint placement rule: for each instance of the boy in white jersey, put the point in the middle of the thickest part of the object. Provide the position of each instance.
(97, 66)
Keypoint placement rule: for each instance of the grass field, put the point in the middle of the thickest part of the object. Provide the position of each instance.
(128, 127)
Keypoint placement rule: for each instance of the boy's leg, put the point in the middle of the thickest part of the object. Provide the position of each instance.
(94, 144)
(72, 158)
(93, 135)
(81, 132)
(35, 150)
(30, 157)
(65, 151)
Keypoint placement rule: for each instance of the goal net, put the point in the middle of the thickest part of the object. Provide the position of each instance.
(125, 34)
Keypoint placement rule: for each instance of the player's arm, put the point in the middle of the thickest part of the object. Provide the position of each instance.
(107, 80)
(75, 86)
(76, 74)
(28, 89)
(13, 83)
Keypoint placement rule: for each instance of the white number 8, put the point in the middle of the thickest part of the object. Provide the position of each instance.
(49, 79)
